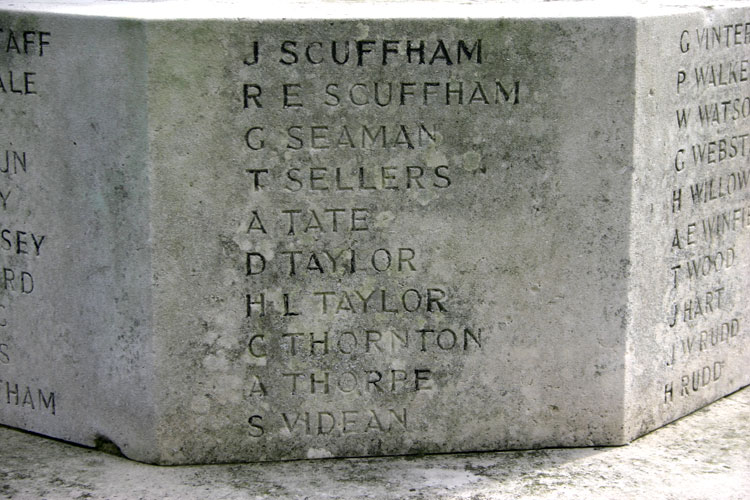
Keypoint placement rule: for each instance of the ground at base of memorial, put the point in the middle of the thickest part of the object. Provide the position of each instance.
(703, 455)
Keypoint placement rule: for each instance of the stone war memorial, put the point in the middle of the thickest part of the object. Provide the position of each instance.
(334, 229)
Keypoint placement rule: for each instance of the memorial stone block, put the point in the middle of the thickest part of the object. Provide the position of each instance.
(331, 229)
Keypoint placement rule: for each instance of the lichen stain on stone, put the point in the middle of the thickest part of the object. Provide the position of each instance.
(214, 362)
(423, 197)
(384, 219)
(433, 155)
(363, 30)
(200, 405)
(319, 453)
(471, 161)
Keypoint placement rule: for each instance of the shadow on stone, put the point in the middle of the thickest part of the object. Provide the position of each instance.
(105, 445)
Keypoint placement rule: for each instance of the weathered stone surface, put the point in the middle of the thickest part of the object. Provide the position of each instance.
(262, 239)
(689, 225)
(704, 455)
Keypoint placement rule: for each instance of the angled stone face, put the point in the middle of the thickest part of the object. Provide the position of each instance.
(259, 239)
(691, 216)
(76, 294)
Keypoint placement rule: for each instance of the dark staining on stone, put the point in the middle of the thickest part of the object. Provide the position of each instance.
(106, 445)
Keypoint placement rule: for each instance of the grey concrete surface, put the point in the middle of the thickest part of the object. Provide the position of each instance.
(704, 455)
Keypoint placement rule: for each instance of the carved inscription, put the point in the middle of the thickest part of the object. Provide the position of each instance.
(26, 397)
(23, 49)
(709, 208)
(344, 313)
(4, 354)
(25, 44)
(361, 179)
(367, 52)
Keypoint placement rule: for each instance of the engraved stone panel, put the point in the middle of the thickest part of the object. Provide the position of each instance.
(691, 216)
(359, 232)
(75, 299)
